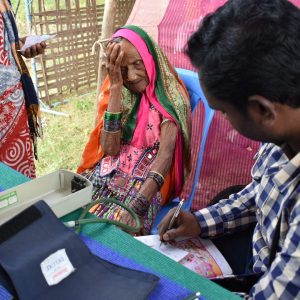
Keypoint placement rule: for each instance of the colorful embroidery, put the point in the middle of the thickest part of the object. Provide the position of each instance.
(149, 126)
(123, 176)
(120, 183)
(107, 165)
(145, 162)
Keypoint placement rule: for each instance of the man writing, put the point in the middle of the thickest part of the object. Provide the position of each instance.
(248, 57)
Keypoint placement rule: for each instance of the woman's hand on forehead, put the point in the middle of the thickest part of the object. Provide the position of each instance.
(114, 59)
(113, 51)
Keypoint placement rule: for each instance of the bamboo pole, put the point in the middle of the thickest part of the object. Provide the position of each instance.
(108, 23)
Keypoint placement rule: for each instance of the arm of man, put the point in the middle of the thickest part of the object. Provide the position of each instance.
(282, 280)
(229, 215)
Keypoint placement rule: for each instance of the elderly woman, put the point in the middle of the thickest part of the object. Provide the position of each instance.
(139, 151)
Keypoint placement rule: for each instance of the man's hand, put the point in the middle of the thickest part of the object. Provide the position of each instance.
(185, 224)
(34, 50)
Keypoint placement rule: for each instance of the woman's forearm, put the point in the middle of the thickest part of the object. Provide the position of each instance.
(163, 161)
(110, 140)
(114, 104)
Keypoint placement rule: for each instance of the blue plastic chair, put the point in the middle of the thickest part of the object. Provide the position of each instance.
(196, 94)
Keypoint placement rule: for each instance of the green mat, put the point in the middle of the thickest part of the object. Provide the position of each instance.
(121, 242)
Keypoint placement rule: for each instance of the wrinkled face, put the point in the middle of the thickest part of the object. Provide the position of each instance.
(134, 74)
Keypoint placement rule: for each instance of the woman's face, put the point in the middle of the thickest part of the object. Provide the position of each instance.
(133, 70)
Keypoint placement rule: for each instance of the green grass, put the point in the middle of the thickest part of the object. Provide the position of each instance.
(64, 137)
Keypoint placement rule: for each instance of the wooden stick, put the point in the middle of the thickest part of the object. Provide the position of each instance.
(108, 25)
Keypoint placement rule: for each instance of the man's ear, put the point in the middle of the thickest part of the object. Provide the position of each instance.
(262, 110)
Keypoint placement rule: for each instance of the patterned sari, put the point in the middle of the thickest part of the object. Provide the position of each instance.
(15, 135)
(123, 175)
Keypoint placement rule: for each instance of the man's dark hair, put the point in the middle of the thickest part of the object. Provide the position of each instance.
(249, 47)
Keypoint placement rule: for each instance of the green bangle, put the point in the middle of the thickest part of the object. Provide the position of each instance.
(110, 116)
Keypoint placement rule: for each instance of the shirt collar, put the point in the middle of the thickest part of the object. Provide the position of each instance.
(288, 173)
(269, 161)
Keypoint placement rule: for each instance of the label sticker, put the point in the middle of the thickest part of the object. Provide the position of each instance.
(8, 199)
(56, 267)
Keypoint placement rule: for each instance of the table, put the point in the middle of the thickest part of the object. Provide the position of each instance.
(112, 244)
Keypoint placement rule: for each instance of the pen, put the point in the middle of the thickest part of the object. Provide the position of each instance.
(175, 215)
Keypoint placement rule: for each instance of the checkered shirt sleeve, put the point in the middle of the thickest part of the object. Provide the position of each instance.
(228, 215)
(282, 281)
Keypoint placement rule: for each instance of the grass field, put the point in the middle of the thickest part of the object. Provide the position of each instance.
(64, 137)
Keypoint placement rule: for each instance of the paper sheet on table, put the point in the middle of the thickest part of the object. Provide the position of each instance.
(198, 255)
(165, 248)
(36, 39)
(204, 257)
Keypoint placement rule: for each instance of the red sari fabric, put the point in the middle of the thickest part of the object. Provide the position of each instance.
(16, 144)
(15, 141)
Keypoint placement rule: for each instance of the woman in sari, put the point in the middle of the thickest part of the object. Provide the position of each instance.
(18, 101)
(139, 151)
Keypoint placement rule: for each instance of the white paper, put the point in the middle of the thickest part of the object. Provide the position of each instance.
(154, 242)
(199, 255)
(36, 39)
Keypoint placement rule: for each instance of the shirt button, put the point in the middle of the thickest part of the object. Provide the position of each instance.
(258, 212)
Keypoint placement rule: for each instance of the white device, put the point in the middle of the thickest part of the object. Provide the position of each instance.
(54, 189)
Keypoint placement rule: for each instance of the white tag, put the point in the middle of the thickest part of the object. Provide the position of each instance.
(56, 267)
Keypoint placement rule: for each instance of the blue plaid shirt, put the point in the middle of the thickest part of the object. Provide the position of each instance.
(274, 190)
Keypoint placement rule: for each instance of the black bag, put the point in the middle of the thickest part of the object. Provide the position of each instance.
(36, 233)
(239, 283)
